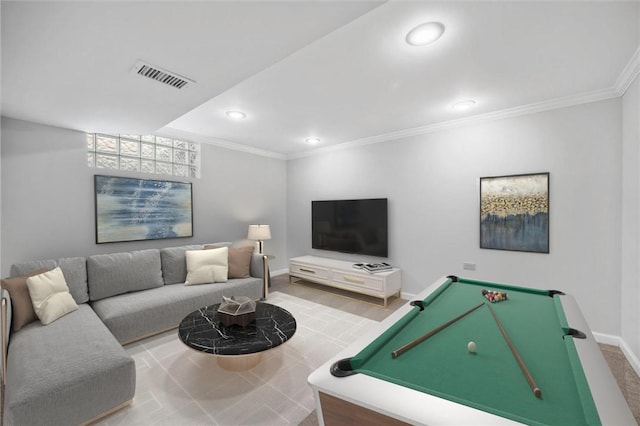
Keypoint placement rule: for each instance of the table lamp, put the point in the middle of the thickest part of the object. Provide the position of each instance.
(259, 233)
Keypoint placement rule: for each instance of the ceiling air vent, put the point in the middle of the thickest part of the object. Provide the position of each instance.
(163, 76)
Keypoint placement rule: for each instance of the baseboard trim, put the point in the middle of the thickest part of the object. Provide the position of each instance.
(606, 339)
(408, 296)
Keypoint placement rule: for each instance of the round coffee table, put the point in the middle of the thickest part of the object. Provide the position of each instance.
(237, 348)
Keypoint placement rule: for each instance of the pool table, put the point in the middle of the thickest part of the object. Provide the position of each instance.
(440, 381)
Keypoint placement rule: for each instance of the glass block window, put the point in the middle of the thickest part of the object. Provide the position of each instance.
(144, 153)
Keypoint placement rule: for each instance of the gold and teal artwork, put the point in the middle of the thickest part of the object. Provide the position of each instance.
(514, 212)
(131, 209)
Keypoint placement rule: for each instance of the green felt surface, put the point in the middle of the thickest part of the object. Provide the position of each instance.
(491, 379)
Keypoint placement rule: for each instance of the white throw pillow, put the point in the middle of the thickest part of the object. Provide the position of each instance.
(50, 296)
(207, 266)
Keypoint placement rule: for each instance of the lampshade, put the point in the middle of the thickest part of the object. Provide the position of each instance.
(259, 232)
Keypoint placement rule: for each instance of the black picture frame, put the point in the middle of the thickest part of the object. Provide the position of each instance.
(134, 209)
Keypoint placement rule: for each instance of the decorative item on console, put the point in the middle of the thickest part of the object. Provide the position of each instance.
(376, 267)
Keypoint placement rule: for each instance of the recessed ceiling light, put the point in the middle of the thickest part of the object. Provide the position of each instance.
(236, 115)
(425, 33)
(463, 105)
(312, 141)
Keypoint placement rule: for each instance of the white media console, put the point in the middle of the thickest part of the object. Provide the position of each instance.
(341, 274)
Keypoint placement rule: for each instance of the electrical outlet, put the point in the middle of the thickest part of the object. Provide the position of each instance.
(469, 266)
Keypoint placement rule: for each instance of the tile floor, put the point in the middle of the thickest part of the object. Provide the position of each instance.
(180, 386)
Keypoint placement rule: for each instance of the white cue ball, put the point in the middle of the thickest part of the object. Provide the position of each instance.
(472, 347)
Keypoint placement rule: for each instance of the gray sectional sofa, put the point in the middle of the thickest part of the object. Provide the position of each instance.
(75, 369)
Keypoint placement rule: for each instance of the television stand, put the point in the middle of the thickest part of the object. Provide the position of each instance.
(341, 274)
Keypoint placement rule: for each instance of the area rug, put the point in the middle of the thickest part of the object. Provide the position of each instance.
(179, 386)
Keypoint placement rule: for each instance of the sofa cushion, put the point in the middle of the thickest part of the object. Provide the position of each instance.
(50, 295)
(132, 316)
(22, 307)
(207, 266)
(66, 372)
(239, 260)
(174, 263)
(118, 273)
(73, 268)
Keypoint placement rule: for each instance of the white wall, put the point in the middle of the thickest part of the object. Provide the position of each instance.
(630, 262)
(432, 183)
(0, 203)
(46, 202)
(48, 197)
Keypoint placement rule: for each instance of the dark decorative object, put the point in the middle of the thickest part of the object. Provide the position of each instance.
(514, 212)
(130, 209)
(237, 311)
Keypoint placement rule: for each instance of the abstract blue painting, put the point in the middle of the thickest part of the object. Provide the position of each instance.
(514, 212)
(130, 209)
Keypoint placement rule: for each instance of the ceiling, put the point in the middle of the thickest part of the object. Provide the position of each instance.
(340, 71)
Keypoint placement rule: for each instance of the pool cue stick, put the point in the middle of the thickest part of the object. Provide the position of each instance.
(424, 337)
(536, 390)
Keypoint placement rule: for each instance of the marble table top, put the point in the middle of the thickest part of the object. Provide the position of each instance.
(203, 331)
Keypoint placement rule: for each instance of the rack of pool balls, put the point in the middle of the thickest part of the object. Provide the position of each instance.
(494, 296)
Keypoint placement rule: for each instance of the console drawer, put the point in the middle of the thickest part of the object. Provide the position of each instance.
(359, 280)
(309, 271)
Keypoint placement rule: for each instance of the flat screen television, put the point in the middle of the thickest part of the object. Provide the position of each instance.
(350, 226)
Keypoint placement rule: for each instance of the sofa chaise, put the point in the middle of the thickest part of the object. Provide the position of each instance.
(75, 370)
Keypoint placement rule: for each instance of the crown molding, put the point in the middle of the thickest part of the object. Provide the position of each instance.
(622, 83)
(629, 73)
(626, 77)
(567, 101)
(222, 143)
